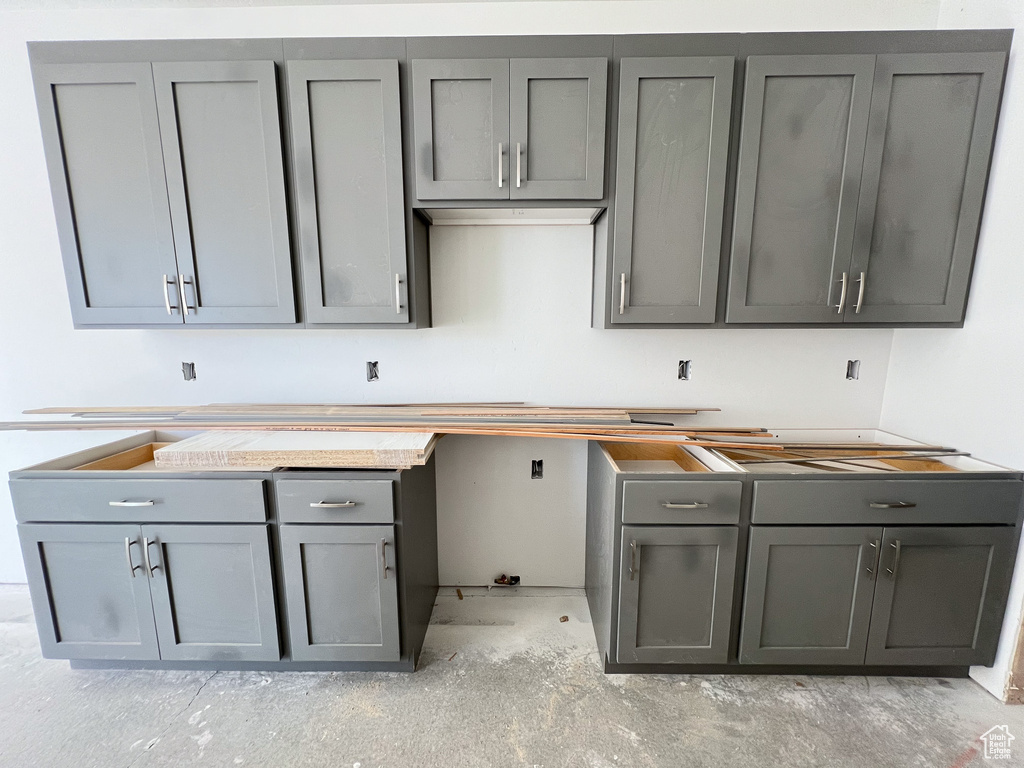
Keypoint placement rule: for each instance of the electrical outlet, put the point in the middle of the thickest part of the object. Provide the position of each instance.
(188, 370)
(852, 369)
(537, 469)
(683, 371)
(372, 371)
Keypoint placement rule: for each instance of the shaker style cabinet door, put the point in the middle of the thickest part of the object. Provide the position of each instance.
(342, 592)
(90, 591)
(102, 142)
(940, 595)
(213, 592)
(221, 136)
(556, 130)
(930, 134)
(808, 596)
(347, 144)
(676, 593)
(460, 120)
(801, 151)
(673, 151)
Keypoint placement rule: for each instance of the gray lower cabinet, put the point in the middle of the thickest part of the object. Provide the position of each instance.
(673, 150)
(342, 591)
(347, 158)
(676, 593)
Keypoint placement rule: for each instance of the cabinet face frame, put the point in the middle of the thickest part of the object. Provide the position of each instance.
(45, 604)
(167, 76)
(496, 73)
(632, 575)
(860, 68)
(989, 67)
(719, 69)
(310, 241)
(521, 73)
(48, 77)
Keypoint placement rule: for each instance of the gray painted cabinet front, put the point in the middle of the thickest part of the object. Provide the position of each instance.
(213, 592)
(673, 150)
(940, 595)
(676, 593)
(102, 141)
(801, 154)
(221, 135)
(90, 591)
(930, 133)
(347, 153)
(808, 594)
(342, 592)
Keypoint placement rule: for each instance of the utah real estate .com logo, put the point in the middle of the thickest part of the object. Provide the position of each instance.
(997, 742)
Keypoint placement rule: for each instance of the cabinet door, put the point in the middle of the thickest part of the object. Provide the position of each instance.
(670, 186)
(808, 595)
(342, 592)
(347, 144)
(556, 128)
(676, 594)
(102, 142)
(213, 593)
(460, 116)
(89, 591)
(801, 150)
(933, 120)
(222, 151)
(941, 594)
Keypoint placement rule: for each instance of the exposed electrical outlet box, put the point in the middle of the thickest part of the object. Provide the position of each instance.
(372, 372)
(188, 370)
(852, 369)
(537, 470)
(684, 370)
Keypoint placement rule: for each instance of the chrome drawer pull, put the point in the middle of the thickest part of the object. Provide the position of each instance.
(687, 505)
(126, 503)
(331, 504)
(891, 504)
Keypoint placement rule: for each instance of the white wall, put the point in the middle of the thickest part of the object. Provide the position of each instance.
(962, 387)
(511, 306)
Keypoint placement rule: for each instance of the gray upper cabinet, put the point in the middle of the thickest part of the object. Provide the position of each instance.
(940, 595)
(930, 135)
(801, 155)
(808, 595)
(102, 141)
(500, 129)
(556, 128)
(676, 593)
(347, 160)
(221, 133)
(460, 121)
(673, 148)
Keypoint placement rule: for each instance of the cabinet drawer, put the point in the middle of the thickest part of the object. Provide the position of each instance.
(886, 502)
(681, 502)
(118, 501)
(335, 501)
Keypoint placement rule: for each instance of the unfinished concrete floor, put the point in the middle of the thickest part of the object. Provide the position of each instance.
(502, 682)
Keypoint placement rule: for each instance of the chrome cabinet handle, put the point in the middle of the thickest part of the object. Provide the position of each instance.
(500, 169)
(891, 504)
(331, 504)
(125, 503)
(632, 560)
(877, 546)
(181, 291)
(895, 559)
(842, 294)
(168, 280)
(860, 292)
(398, 294)
(622, 294)
(519, 166)
(686, 505)
(384, 556)
(146, 544)
(132, 568)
